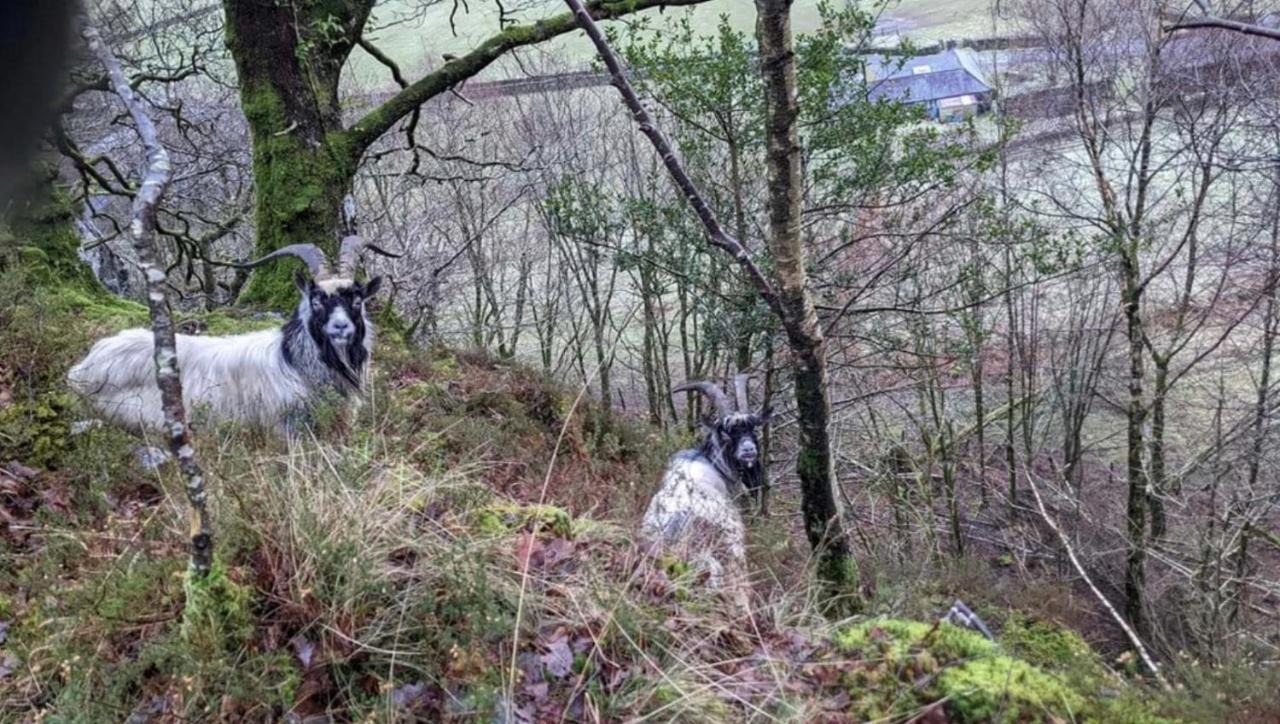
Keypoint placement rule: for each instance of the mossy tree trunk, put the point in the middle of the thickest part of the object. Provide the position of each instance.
(1136, 413)
(1157, 488)
(815, 464)
(41, 233)
(289, 58)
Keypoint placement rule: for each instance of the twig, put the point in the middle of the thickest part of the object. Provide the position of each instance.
(1075, 562)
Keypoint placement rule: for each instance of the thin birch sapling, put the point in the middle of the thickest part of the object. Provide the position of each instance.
(142, 231)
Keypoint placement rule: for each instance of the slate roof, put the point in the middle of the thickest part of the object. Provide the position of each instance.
(924, 78)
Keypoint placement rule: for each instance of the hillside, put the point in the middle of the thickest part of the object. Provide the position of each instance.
(403, 36)
(1000, 318)
(463, 550)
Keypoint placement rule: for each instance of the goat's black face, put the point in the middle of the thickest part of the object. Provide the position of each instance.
(736, 436)
(334, 313)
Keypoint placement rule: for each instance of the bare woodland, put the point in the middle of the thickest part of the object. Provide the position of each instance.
(1094, 312)
(1044, 338)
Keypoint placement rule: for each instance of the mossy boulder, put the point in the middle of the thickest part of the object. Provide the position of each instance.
(1061, 651)
(1038, 672)
(977, 680)
(1052, 647)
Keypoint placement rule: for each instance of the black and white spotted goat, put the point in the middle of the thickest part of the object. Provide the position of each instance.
(265, 378)
(695, 510)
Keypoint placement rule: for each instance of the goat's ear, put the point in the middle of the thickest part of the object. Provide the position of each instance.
(372, 287)
(302, 281)
(763, 417)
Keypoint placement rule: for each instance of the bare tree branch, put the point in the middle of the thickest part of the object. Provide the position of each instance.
(381, 119)
(143, 231)
(1212, 21)
(716, 233)
(1111, 610)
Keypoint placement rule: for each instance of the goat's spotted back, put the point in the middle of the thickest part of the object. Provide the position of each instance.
(694, 511)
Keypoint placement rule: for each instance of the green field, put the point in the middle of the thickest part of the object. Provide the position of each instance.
(413, 40)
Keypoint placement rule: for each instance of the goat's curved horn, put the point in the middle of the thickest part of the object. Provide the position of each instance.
(712, 391)
(310, 254)
(349, 254)
(740, 391)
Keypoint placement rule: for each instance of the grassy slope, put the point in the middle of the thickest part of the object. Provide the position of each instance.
(377, 573)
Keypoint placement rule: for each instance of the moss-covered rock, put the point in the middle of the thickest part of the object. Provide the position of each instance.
(1051, 646)
(978, 681)
(1000, 688)
(1062, 652)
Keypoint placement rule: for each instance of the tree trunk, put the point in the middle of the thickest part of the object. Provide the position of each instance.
(653, 390)
(1135, 570)
(691, 399)
(289, 57)
(815, 464)
(973, 323)
(1010, 451)
(766, 435)
(1157, 487)
(980, 414)
(604, 363)
(742, 328)
(522, 296)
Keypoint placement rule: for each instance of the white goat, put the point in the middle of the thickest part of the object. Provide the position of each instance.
(695, 511)
(264, 378)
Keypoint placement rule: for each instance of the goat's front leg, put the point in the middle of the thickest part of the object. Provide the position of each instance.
(295, 424)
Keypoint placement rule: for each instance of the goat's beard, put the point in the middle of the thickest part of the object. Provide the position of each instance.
(750, 476)
(346, 360)
(340, 359)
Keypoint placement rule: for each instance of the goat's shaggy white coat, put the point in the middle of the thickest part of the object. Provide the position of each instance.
(242, 377)
(694, 512)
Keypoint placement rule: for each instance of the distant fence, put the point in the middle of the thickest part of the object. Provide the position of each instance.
(1050, 102)
(534, 84)
(587, 79)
